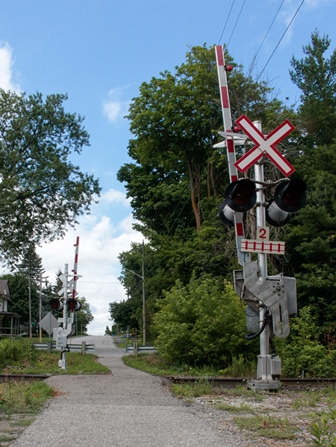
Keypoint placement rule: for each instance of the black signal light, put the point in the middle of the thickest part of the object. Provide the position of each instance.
(241, 195)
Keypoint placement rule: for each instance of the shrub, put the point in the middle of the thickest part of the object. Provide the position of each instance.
(202, 323)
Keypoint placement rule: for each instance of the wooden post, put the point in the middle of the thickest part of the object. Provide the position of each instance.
(83, 348)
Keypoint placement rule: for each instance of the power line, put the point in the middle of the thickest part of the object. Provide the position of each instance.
(241, 9)
(227, 19)
(262, 71)
(255, 56)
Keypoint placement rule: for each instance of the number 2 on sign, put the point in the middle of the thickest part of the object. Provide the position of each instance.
(263, 233)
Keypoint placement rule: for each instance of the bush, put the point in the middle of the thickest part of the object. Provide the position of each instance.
(202, 323)
(15, 350)
(302, 351)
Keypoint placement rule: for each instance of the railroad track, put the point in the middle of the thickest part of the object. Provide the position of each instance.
(232, 382)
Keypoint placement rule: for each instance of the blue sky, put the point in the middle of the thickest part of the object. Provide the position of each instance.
(99, 52)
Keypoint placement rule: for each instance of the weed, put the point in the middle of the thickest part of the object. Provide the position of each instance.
(199, 388)
(267, 426)
(242, 408)
(323, 430)
(307, 399)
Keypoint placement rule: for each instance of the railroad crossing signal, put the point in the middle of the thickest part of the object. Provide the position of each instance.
(264, 146)
(240, 196)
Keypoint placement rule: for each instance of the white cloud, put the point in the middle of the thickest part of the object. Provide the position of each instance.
(115, 107)
(6, 64)
(115, 196)
(100, 243)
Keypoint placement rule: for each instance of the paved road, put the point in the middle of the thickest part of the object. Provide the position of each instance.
(128, 408)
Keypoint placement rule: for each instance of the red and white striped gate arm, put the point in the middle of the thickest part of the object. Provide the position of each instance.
(230, 147)
(75, 271)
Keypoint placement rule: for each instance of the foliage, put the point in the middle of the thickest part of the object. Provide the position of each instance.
(201, 323)
(83, 317)
(18, 356)
(14, 350)
(315, 75)
(124, 313)
(176, 180)
(323, 430)
(18, 287)
(21, 397)
(302, 352)
(42, 191)
(267, 426)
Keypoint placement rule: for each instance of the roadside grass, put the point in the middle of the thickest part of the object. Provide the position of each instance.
(155, 364)
(21, 400)
(267, 426)
(188, 391)
(47, 363)
(23, 397)
(315, 407)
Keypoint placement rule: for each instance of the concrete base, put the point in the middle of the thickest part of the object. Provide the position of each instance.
(259, 384)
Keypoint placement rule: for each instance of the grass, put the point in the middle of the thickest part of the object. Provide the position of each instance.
(47, 363)
(267, 426)
(23, 397)
(155, 364)
(21, 400)
(197, 389)
(253, 416)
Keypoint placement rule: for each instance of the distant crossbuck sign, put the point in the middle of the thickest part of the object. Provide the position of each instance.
(260, 246)
(264, 146)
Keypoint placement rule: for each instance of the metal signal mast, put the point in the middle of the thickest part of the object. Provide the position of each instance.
(270, 299)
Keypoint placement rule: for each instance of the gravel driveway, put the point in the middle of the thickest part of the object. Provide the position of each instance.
(128, 408)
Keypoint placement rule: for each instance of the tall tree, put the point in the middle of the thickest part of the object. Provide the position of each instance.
(42, 192)
(177, 177)
(315, 76)
(19, 289)
(174, 121)
(311, 242)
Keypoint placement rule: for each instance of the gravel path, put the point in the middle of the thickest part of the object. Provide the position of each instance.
(128, 408)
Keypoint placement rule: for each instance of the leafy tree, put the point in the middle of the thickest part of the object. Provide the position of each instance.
(31, 264)
(125, 313)
(202, 323)
(82, 317)
(311, 234)
(302, 350)
(19, 290)
(315, 75)
(174, 122)
(177, 178)
(42, 192)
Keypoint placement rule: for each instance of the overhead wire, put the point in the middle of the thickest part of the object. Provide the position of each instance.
(256, 54)
(227, 19)
(235, 25)
(283, 35)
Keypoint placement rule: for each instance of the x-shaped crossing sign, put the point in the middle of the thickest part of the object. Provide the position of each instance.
(264, 146)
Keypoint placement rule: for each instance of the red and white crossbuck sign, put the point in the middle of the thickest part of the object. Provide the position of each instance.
(264, 146)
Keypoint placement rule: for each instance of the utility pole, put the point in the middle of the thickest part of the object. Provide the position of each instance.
(143, 297)
(40, 304)
(143, 293)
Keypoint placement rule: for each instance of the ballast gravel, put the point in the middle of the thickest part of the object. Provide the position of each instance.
(127, 408)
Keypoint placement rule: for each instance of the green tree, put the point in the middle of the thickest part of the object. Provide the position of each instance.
(202, 323)
(174, 121)
(42, 192)
(310, 238)
(126, 313)
(315, 76)
(83, 317)
(19, 290)
(178, 178)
